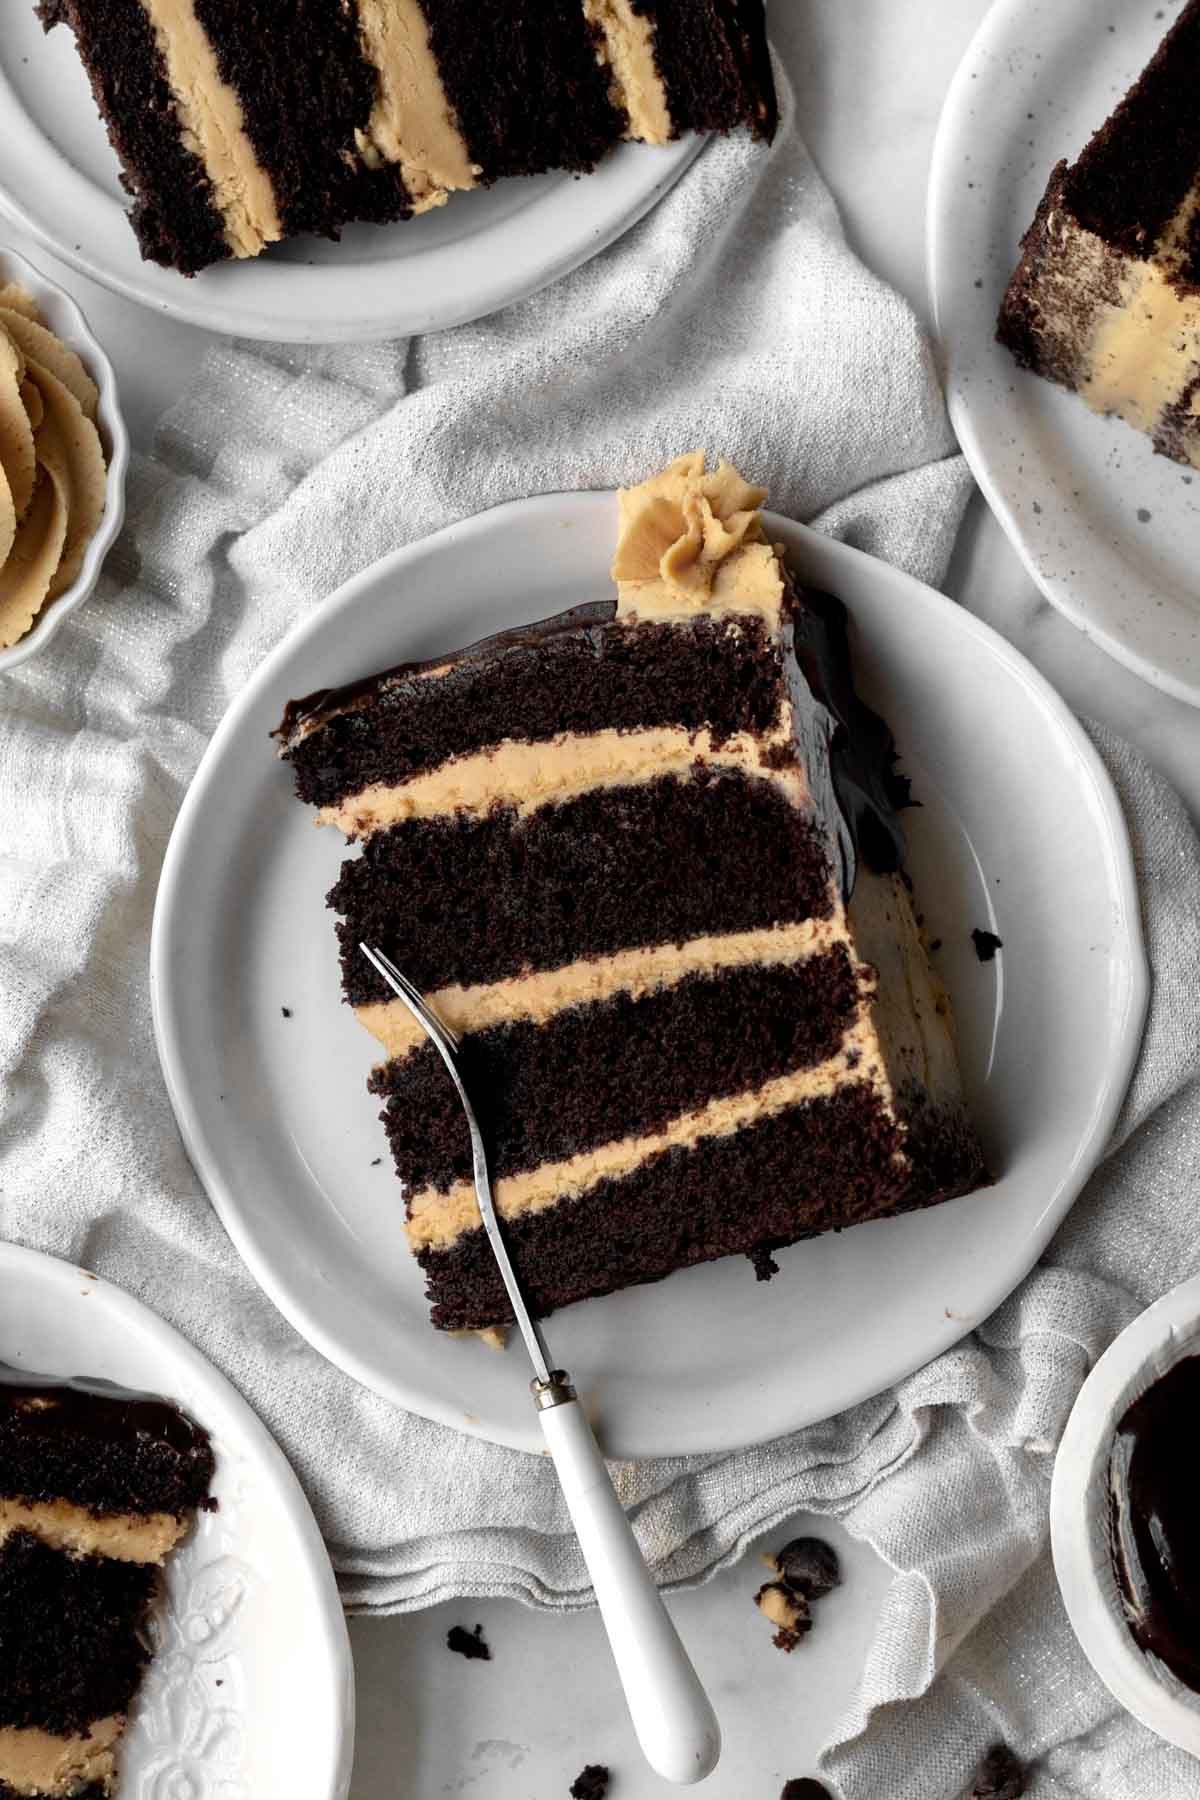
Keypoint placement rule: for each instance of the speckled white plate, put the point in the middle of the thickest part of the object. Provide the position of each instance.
(58, 176)
(1018, 830)
(251, 1638)
(1107, 529)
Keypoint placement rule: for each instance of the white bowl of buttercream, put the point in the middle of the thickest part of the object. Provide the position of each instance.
(63, 317)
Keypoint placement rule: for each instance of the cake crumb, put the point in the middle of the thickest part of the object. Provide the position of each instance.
(375, 1161)
(805, 1788)
(591, 1783)
(788, 1610)
(810, 1565)
(806, 1569)
(1000, 1776)
(286, 1011)
(764, 1263)
(468, 1643)
(986, 944)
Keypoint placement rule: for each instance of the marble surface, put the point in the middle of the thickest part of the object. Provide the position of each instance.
(870, 78)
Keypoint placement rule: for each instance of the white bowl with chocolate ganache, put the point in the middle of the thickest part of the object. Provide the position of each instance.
(1123, 1510)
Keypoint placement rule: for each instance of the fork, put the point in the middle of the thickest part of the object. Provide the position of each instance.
(671, 1714)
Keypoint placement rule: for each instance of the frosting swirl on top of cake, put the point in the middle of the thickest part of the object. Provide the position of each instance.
(691, 540)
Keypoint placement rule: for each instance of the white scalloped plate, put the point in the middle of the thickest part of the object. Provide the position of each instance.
(1019, 830)
(58, 176)
(1106, 528)
(251, 1638)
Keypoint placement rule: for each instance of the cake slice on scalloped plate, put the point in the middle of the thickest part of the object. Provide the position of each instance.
(645, 859)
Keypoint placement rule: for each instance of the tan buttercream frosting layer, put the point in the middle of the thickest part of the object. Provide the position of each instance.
(437, 1218)
(213, 127)
(412, 122)
(527, 775)
(539, 996)
(626, 45)
(690, 540)
(1145, 352)
(1141, 352)
(33, 1761)
(780, 1606)
(52, 472)
(124, 1537)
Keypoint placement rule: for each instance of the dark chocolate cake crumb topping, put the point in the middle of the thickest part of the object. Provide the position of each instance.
(591, 1783)
(810, 1565)
(468, 1643)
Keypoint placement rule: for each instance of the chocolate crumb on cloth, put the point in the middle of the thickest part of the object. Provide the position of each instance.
(1000, 1776)
(591, 1783)
(807, 1568)
(468, 1643)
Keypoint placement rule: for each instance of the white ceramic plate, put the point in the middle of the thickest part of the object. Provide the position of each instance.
(64, 318)
(1019, 829)
(251, 1637)
(1107, 529)
(1079, 1514)
(58, 176)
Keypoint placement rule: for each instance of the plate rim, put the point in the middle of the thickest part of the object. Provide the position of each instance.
(41, 1266)
(1123, 894)
(188, 301)
(1059, 591)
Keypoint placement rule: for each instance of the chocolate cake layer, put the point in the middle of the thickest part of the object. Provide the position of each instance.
(470, 900)
(528, 686)
(173, 214)
(305, 87)
(94, 1790)
(106, 1451)
(714, 62)
(1138, 170)
(634, 1065)
(525, 84)
(814, 1168)
(72, 1635)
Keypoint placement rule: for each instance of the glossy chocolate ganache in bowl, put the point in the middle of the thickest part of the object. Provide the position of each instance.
(1154, 1479)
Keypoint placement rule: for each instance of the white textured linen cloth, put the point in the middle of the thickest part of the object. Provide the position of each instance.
(734, 316)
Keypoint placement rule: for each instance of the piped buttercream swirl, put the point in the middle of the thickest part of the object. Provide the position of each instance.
(691, 539)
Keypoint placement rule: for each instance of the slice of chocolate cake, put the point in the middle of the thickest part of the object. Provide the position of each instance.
(96, 1489)
(238, 123)
(644, 860)
(1106, 297)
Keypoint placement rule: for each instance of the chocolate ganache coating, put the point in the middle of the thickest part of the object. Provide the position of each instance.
(99, 1445)
(1154, 1479)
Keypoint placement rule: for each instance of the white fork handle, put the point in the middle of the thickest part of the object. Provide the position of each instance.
(675, 1724)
